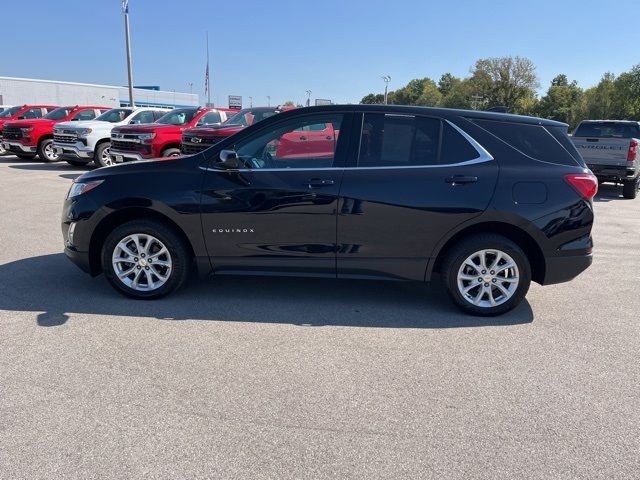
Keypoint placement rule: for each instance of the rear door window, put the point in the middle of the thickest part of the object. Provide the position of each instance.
(534, 141)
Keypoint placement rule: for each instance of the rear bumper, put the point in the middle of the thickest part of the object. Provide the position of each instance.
(614, 173)
(564, 269)
(17, 147)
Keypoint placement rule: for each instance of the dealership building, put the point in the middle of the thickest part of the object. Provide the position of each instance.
(21, 91)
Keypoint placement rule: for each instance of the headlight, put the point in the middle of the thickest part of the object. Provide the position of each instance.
(83, 132)
(78, 188)
(146, 136)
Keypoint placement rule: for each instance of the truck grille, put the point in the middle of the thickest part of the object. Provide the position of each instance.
(11, 133)
(193, 148)
(66, 138)
(124, 146)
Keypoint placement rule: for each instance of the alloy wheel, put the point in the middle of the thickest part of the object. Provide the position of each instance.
(488, 278)
(142, 262)
(105, 157)
(50, 152)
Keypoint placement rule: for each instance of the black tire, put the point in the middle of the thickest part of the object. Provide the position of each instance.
(77, 163)
(46, 152)
(178, 251)
(457, 255)
(101, 156)
(25, 156)
(171, 152)
(630, 188)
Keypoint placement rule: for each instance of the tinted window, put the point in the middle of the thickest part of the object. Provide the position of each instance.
(293, 145)
(157, 114)
(58, 113)
(9, 112)
(32, 113)
(561, 135)
(607, 130)
(390, 140)
(143, 117)
(455, 148)
(115, 115)
(181, 116)
(210, 118)
(532, 140)
(85, 115)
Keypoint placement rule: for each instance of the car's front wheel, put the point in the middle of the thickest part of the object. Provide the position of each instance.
(102, 156)
(486, 274)
(145, 259)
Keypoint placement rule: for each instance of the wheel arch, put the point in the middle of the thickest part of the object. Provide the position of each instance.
(514, 233)
(119, 217)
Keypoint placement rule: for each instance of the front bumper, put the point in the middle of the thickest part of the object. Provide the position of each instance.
(566, 268)
(121, 157)
(81, 259)
(74, 151)
(17, 147)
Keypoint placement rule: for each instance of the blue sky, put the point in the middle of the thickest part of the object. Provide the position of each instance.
(337, 49)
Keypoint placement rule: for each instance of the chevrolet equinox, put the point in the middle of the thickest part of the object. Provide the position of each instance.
(489, 201)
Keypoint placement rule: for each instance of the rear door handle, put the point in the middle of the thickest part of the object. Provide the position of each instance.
(319, 182)
(459, 179)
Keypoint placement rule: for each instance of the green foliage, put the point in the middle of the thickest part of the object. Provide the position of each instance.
(512, 82)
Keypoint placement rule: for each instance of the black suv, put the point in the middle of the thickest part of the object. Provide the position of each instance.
(490, 201)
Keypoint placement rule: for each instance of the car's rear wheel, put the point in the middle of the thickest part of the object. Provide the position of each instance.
(101, 156)
(630, 188)
(171, 152)
(46, 152)
(486, 274)
(145, 259)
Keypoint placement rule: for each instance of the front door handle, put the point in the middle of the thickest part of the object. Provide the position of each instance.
(460, 179)
(319, 182)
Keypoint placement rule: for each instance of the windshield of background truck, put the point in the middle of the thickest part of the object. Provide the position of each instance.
(58, 113)
(180, 116)
(247, 117)
(115, 115)
(9, 112)
(607, 130)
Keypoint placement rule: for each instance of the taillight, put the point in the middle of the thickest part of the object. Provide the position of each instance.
(586, 184)
(633, 150)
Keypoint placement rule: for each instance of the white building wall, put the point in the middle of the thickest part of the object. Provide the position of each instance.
(19, 91)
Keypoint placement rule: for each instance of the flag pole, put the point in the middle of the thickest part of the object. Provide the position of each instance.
(125, 11)
(208, 74)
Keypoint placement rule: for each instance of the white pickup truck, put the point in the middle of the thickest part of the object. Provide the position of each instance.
(610, 150)
(80, 143)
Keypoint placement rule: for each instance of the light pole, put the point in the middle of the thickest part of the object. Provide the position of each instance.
(125, 11)
(250, 102)
(268, 100)
(190, 87)
(387, 79)
(308, 98)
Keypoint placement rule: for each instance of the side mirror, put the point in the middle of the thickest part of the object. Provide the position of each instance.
(229, 159)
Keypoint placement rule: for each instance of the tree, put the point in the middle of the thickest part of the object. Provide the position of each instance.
(626, 97)
(563, 101)
(419, 91)
(289, 103)
(447, 83)
(508, 81)
(373, 98)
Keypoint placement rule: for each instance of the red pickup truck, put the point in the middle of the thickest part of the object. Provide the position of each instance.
(195, 140)
(29, 137)
(161, 138)
(19, 113)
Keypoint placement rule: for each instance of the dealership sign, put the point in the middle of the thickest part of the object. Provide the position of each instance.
(235, 101)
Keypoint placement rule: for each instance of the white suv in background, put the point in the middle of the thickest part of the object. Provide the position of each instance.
(80, 143)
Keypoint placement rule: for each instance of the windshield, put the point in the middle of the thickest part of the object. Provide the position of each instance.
(9, 112)
(180, 116)
(249, 117)
(58, 113)
(608, 130)
(115, 115)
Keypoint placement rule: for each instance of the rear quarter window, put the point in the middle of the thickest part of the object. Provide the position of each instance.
(534, 141)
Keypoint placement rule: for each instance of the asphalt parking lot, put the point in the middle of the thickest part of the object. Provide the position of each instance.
(290, 378)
